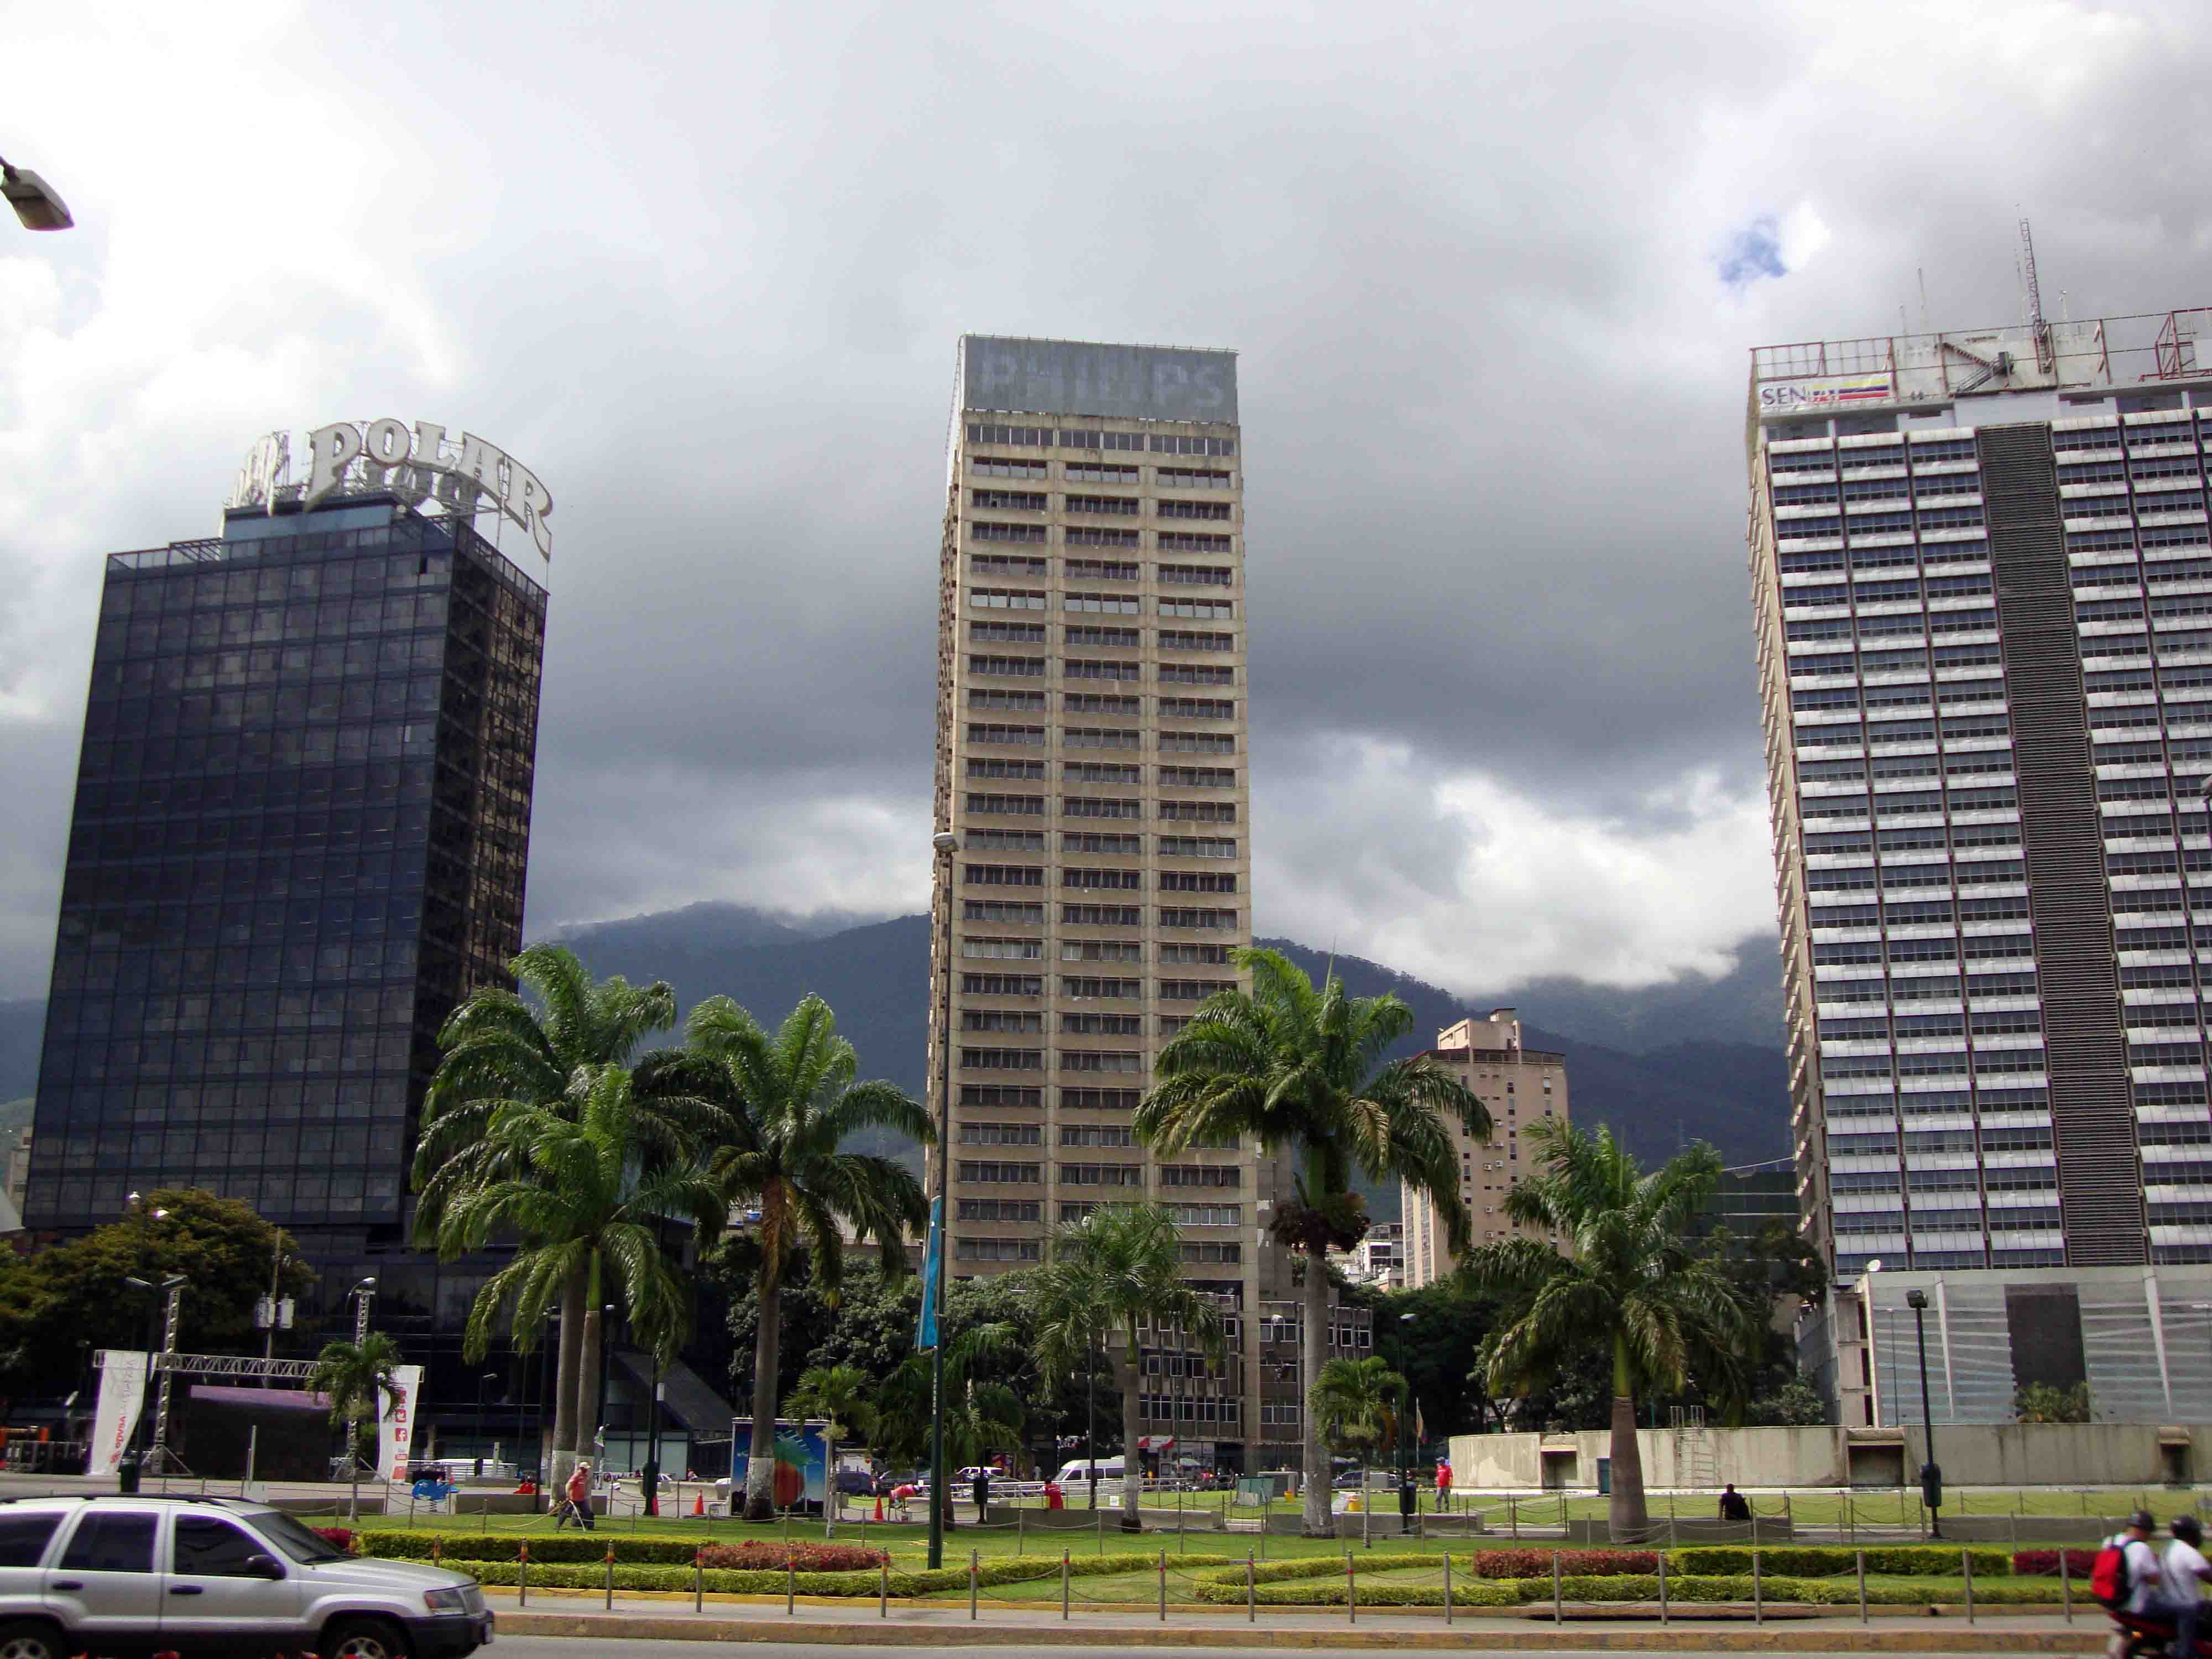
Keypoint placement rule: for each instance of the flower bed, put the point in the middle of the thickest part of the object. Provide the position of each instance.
(1820, 1561)
(2044, 1564)
(1579, 1564)
(578, 1575)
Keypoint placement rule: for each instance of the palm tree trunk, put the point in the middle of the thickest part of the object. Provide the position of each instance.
(830, 1478)
(1366, 1504)
(1626, 1514)
(568, 1366)
(353, 1469)
(587, 1378)
(760, 1472)
(1133, 1418)
(1317, 1523)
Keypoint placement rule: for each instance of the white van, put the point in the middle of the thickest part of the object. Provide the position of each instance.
(1079, 1473)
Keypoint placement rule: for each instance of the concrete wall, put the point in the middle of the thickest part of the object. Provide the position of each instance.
(1972, 1455)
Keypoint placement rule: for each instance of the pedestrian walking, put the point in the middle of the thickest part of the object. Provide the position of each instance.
(982, 1497)
(1444, 1483)
(580, 1494)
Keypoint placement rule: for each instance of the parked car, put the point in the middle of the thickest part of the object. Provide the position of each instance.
(203, 1575)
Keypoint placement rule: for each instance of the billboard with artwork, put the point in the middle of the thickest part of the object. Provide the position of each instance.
(802, 1469)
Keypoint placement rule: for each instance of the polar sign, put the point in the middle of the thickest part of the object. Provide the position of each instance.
(466, 476)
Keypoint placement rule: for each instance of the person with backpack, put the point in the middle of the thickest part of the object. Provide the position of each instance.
(2126, 1576)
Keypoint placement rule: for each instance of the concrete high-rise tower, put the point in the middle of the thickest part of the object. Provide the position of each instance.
(1091, 762)
(1985, 603)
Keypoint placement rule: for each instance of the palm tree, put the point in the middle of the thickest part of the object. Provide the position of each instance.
(982, 1416)
(1300, 1070)
(579, 1191)
(1631, 1283)
(358, 1379)
(791, 1102)
(500, 1049)
(838, 1394)
(1355, 1405)
(1118, 1274)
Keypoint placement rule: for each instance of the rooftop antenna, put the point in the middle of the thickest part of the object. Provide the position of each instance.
(2037, 327)
(1922, 273)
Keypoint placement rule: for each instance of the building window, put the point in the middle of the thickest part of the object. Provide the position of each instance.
(994, 466)
(998, 1250)
(1103, 570)
(1087, 669)
(984, 530)
(1091, 806)
(1008, 805)
(1101, 950)
(1100, 1100)
(1177, 638)
(1124, 504)
(1005, 598)
(1126, 604)
(999, 1209)
(1100, 1060)
(1012, 950)
(1090, 841)
(1019, 500)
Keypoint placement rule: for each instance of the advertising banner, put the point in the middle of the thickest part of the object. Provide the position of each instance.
(1076, 377)
(115, 1419)
(1788, 396)
(395, 1441)
(802, 1469)
(925, 1334)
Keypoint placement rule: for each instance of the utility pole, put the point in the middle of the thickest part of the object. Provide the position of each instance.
(1931, 1475)
(945, 844)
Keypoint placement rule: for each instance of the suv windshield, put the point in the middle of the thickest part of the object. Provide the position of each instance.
(303, 1544)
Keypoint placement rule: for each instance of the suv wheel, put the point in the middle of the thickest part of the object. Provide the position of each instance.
(31, 1642)
(354, 1638)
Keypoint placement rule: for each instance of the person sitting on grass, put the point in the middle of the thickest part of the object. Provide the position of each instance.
(1734, 1506)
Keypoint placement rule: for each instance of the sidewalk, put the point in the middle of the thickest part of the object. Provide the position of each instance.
(944, 1624)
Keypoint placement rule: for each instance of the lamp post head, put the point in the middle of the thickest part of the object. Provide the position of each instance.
(944, 841)
(1915, 1299)
(37, 203)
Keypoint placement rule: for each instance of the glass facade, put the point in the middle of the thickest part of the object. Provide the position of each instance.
(300, 835)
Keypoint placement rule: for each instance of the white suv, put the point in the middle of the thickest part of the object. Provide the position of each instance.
(119, 1576)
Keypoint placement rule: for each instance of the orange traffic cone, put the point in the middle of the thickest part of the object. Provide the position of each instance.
(699, 1502)
(880, 1506)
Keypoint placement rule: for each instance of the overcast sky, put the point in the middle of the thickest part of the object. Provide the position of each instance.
(1493, 271)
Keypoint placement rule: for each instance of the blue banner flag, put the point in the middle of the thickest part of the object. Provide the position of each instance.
(924, 1336)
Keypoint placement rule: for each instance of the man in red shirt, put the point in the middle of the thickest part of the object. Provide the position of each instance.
(1444, 1483)
(580, 1494)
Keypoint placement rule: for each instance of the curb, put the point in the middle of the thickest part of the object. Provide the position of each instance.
(634, 1627)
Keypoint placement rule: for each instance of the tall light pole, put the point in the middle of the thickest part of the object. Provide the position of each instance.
(483, 1383)
(362, 1295)
(946, 845)
(37, 203)
(1931, 1475)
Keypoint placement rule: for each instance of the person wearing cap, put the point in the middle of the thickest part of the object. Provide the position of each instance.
(2182, 1574)
(580, 1493)
(2143, 1572)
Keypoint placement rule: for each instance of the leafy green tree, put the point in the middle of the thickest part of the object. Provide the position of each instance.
(1111, 1275)
(982, 1415)
(501, 1049)
(1633, 1285)
(840, 1395)
(1355, 1405)
(1795, 1404)
(58, 1304)
(359, 1381)
(791, 1101)
(2047, 1403)
(1301, 1071)
(579, 1192)
(1436, 1349)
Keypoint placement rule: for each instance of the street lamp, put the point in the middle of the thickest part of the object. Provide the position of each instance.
(487, 1378)
(362, 1295)
(1931, 1476)
(945, 844)
(36, 202)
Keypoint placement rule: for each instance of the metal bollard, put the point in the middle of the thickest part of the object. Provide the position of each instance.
(1164, 1587)
(1447, 1587)
(1558, 1617)
(610, 1578)
(2065, 1584)
(790, 1585)
(1101, 1514)
(973, 1556)
(522, 1568)
(1063, 1586)
(1967, 1570)
(1251, 1591)
(1862, 1566)
(1757, 1592)
(1663, 1586)
(1351, 1591)
(884, 1590)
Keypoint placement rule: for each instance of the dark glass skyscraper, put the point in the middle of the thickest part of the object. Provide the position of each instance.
(302, 821)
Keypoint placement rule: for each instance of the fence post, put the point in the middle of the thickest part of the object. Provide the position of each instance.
(1251, 1591)
(1063, 1587)
(1861, 1555)
(610, 1577)
(1967, 1570)
(699, 1578)
(1513, 1516)
(2065, 1584)
(1021, 1526)
(1351, 1591)
(883, 1590)
(974, 1557)
(1446, 1585)
(1164, 1587)
(1663, 1586)
(790, 1585)
(1757, 1592)
(1557, 1617)
(522, 1566)
(1100, 1514)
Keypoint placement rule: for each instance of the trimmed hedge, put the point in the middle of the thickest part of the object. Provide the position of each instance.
(1579, 1564)
(1821, 1561)
(727, 1581)
(1639, 1587)
(550, 1549)
(759, 1555)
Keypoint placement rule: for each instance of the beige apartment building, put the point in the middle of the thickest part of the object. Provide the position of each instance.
(1521, 1087)
(1091, 766)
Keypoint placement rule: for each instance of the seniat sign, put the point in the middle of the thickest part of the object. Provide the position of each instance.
(466, 476)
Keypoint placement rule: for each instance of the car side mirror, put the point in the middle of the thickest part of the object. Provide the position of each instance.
(263, 1567)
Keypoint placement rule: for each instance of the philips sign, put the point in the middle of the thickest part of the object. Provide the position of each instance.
(466, 477)
(1069, 377)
